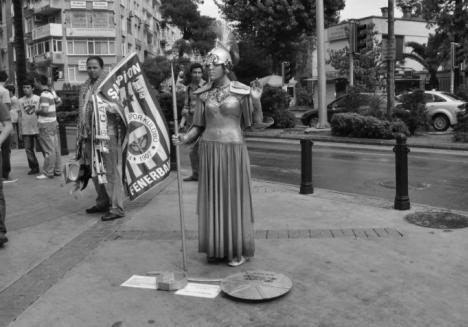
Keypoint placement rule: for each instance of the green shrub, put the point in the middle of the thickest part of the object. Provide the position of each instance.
(413, 111)
(303, 96)
(355, 125)
(461, 128)
(274, 104)
(354, 99)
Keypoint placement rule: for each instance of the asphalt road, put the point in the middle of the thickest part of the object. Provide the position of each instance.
(435, 177)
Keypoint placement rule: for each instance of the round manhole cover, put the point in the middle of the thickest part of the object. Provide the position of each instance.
(438, 219)
(256, 285)
(417, 186)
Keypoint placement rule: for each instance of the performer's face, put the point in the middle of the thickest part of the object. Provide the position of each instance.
(215, 71)
(196, 75)
(94, 69)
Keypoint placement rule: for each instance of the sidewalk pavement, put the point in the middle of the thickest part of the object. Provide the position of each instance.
(353, 260)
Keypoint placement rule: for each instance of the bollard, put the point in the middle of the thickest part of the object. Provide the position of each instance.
(306, 167)
(173, 149)
(63, 139)
(402, 201)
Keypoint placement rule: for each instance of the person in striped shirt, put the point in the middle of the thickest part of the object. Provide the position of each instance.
(48, 138)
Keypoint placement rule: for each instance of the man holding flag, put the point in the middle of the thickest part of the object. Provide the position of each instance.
(100, 135)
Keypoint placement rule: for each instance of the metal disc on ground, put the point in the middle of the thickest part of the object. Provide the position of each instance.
(438, 219)
(256, 285)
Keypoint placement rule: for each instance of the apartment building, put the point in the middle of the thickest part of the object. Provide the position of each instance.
(60, 34)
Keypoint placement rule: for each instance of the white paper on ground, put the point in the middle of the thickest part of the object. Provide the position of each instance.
(138, 281)
(208, 291)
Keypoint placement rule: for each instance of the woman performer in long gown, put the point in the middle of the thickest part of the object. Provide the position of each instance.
(225, 214)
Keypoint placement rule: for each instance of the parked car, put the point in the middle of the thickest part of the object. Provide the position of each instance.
(339, 105)
(442, 108)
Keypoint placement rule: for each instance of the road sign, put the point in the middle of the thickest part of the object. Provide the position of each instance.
(388, 50)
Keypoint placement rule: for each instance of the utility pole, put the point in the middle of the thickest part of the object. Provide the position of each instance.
(391, 59)
(322, 84)
(352, 48)
(452, 66)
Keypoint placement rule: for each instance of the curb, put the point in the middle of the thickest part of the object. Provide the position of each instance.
(281, 134)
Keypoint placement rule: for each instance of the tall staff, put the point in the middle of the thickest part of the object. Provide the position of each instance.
(179, 178)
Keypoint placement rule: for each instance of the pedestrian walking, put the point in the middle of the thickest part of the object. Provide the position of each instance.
(48, 136)
(28, 129)
(110, 194)
(5, 121)
(225, 213)
(14, 109)
(190, 101)
(6, 145)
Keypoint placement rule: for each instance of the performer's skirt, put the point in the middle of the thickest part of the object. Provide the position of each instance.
(225, 214)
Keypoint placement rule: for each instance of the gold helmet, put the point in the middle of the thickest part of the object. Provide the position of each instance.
(219, 56)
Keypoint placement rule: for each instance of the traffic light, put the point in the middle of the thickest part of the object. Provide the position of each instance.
(55, 74)
(459, 55)
(363, 36)
(287, 70)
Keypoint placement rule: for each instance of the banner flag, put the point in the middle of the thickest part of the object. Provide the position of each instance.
(146, 152)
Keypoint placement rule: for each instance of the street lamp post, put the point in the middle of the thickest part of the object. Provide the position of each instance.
(322, 109)
(391, 59)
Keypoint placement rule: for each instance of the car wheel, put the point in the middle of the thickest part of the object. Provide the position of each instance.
(440, 123)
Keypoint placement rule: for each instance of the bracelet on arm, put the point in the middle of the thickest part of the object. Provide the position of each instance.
(191, 135)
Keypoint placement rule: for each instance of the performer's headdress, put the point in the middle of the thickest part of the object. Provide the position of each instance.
(224, 53)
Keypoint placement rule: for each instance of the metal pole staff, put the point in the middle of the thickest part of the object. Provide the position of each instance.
(179, 179)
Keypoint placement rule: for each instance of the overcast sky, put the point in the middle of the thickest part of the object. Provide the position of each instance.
(353, 8)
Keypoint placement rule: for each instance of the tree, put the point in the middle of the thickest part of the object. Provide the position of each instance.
(449, 17)
(429, 55)
(413, 6)
(367, 64)
(196, 28)
(19, 45)
(253, 62)
(278, 26)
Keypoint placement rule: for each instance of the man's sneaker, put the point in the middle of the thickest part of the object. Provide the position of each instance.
(33, 172)
(9, 180)
(42, 176)
(3, 239)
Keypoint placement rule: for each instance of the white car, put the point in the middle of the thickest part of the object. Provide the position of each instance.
(442, 108)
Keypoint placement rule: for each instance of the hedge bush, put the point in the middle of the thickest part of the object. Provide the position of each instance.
(461, 128)
(355, 125)
(413, 111)
(275, 104)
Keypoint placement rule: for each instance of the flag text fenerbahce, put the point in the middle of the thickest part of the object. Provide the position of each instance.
(146, 146)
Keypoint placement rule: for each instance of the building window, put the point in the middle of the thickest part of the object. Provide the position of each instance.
(91, 19)
(91, 47)
(57, 45)
(71, 73)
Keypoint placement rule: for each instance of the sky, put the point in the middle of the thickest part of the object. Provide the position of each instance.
(353, 8)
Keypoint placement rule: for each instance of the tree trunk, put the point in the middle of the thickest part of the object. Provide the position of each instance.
(19, 45)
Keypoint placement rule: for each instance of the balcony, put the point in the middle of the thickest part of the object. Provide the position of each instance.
(48, 58)
(91, 32)
(47, 31)
(47, 7)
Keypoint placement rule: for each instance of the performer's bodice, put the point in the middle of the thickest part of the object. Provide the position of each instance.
(223, 115)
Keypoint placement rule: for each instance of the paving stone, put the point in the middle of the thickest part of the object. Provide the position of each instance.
(299, 233)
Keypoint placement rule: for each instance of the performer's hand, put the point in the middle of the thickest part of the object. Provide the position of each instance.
(178, 139)
(256, 89)
(182, 124)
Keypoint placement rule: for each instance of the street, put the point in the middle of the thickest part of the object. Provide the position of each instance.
(436, 177)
